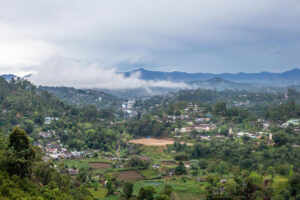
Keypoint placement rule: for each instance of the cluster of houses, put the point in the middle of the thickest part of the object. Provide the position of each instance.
(255, 135)
(53, 148)
(48, 120)
(241, 103)
(198, 128)
(47, 134)
(199, 124)
(128, 108)
(59, 153)
(294, 122)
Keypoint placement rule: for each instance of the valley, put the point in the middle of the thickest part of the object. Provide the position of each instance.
(193, 144)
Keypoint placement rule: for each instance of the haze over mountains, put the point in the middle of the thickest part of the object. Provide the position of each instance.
(284, 78)
(223, 81)
(8, 76)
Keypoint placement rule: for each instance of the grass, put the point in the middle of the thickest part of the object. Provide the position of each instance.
(156, 153)
(83, 163)
(193, 189)
(280, 183)
(111, 198)
(112, 170)
(100, 193)
(158, 185)
(189, 196)
(150, 173)
(96, 160)
(188, 186)
(78, 164)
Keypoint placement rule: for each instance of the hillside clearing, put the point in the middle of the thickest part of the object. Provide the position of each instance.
(152, 141)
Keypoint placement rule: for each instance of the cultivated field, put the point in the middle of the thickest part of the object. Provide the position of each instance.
(168, 162)
(131, 175)
(100, 165)
(152, 142)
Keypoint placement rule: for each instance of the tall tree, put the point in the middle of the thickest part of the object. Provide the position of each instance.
(127, 190)
(19, 155)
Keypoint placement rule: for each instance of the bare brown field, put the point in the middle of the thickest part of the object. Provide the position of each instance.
(152, 142)
(131, 175)
(168, 162)
(100, 165)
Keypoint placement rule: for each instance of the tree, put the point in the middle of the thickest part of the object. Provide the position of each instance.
(135, 161)
(146, 193)
(277, 197)
(18, 140)
(82, 175)
(285, 194)
(91, 112)
(163, 197)
(110, 188)
(2, 142)
(127, 190)
(294, 183)
(220, 108)
(44, 172)
(19, 155)
(280, 139)
(38, 118)
(28, 126)
(168, 189)
(231, 187)
(180, 169)
(271, 171)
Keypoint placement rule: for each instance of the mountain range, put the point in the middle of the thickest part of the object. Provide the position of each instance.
(8, 77)
(285, 78)
(223, 81)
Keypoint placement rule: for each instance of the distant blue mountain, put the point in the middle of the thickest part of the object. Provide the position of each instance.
(284, 78)
(8, 77)
(221, 84)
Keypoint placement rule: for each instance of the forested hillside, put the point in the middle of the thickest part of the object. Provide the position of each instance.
(80, 97)
(35, 110)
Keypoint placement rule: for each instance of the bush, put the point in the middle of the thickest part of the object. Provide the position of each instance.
(181, 157)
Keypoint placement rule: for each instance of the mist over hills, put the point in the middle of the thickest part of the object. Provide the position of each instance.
(223, 81)
(285, 78)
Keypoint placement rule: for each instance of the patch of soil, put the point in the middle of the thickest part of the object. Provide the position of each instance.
(130, 175)
(152, 141)
(100, 165)
(168, 162)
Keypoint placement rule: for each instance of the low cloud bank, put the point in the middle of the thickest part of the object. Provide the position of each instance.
(61, 72)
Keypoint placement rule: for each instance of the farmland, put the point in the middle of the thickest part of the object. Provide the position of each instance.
(130, 175)
(100, 165)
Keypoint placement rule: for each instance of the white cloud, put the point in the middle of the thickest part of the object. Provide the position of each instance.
(57, 71)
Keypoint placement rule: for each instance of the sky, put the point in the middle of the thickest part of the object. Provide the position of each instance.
(98, 38)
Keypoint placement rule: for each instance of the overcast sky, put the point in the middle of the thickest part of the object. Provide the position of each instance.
(120, 35)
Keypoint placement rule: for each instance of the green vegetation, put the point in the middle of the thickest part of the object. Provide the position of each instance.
(150, 173)
(80, 97)
(98, 193)
(24, 176)
(228, 145)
